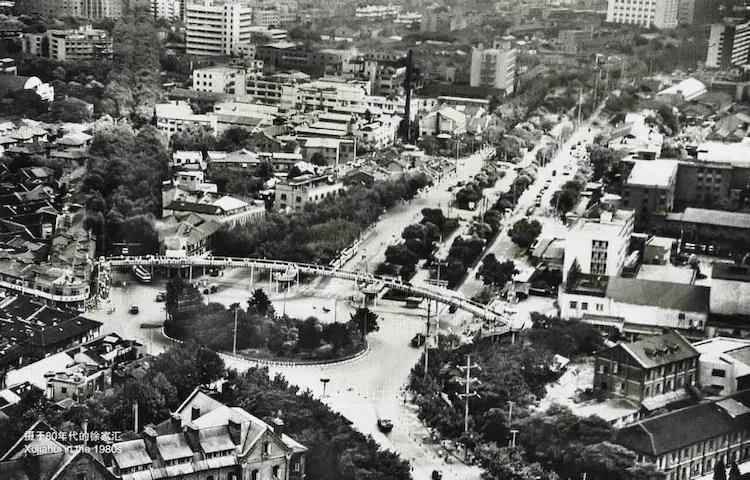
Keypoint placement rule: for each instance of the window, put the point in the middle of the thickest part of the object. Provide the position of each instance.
(717, 372)
(599, 307)
(573, 304)
(266, 448)
(64, 390)
(81, 476)
(276, 471)
(584, 306)
(254, 475)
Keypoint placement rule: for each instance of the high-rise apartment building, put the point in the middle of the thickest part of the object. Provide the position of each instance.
(217, 27)
(729, 44)
(91, 9)
(494, 67)
(656, 13)
(170, 9)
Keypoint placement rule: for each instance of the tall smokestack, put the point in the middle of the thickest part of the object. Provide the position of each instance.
(407, 90)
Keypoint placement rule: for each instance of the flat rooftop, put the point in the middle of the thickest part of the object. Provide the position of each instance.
(666, 273)
(653, 173)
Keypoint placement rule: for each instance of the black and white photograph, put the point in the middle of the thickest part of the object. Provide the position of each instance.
(374, 239)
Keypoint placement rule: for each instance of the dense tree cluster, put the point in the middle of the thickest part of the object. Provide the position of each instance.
(495, 272)
(525, 232)
(134, 84)
(261, 332)
(321, 230)
(123, 187)
(566, 199)
(470, 194)
(420, 241)
(336, 450)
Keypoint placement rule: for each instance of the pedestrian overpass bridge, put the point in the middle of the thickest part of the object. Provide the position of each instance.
(496, 323)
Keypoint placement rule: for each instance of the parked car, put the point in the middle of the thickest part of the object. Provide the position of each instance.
(161, 296)
(385, 425)
(418, 340)
(134, 309)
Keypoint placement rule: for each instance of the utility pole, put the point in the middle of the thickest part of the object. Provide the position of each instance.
(468, 392)
(427, 340)
(580, 103)
(596, 86)
(510, 412)
(234, 343)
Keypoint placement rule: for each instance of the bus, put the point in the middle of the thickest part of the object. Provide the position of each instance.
(141, 274)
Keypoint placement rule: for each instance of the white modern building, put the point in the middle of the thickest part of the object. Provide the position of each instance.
(215, 27)
(724, 364)
(296, 193)
(494, 67)
(656, 13)
(173, 117)
(729, 44)
(599, 246)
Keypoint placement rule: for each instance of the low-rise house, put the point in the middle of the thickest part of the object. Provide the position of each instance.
(187, 234)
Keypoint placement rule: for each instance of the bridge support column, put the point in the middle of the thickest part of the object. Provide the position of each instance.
(152, 270)
(204, 271)
(298, 281)
(252, 276)
(190, 273)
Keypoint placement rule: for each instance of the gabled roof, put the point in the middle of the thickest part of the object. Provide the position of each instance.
(652, 352)
(675, 430)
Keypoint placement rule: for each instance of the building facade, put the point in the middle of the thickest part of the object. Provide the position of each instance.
(81, 44)
(494, 67)
(296, 193)
(217, 28)
(657, 13)
(648, 368)
(729, 44)
(599, 246)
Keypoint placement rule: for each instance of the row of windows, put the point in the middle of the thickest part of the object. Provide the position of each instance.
(585, 306)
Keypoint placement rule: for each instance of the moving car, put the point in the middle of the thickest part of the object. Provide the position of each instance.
(134, 310)
(161, 296)
(385, 425)
(418, 340)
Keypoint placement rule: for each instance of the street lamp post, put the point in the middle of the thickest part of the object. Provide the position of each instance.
(324, 381)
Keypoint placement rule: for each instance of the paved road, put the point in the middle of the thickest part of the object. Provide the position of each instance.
(362, 390)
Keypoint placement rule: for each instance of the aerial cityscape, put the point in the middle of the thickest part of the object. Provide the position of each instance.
(374, 240)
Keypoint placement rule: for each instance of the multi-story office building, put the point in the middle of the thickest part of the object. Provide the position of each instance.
(91, 9)
(719, 174)
(656, 13)
(83, 43)
(729, 44)
(215, 27)
(599, 246)
(650, 187)
(294, 194)
(494, 67)
(648, 369)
